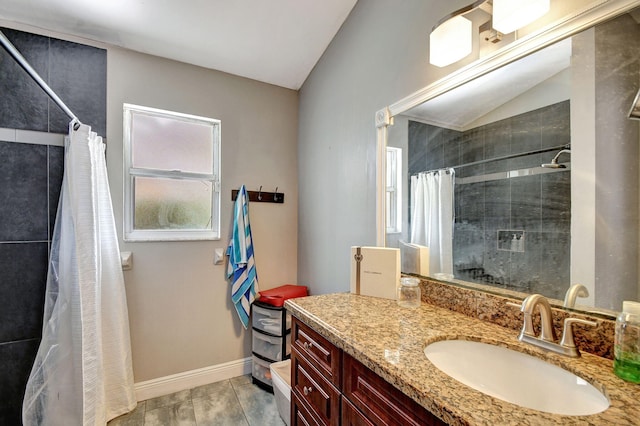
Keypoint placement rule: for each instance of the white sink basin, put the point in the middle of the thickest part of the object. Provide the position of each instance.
(516, 377)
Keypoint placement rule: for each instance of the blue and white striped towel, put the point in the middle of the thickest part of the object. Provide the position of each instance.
(241, 268)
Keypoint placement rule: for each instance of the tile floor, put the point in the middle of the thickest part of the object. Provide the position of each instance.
(230, 402)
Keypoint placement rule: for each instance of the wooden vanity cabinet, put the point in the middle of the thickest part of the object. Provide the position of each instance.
(329, 387)
(316, 367)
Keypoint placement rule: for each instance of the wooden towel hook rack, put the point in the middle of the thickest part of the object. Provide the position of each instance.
(261, 196)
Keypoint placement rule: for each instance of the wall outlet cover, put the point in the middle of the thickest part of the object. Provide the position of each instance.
(218, 256)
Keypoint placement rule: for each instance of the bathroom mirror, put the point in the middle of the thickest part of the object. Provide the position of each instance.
(544, 162)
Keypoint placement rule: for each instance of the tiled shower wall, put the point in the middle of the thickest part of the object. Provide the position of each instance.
(537, 206)
(30, 180)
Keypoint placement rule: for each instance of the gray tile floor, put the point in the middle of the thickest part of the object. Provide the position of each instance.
(230, 402)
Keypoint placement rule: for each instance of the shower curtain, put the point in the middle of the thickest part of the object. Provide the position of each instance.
(432, 215)
(82, 373)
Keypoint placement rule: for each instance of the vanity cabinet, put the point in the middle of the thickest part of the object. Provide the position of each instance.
(329, 387)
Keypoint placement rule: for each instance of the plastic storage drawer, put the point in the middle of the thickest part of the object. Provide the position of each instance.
(261, 371)
(270, 320)
(271, 347)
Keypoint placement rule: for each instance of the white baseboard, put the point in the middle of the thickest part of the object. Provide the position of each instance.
(190, 379)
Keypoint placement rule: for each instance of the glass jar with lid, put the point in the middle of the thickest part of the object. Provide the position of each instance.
(409, 293)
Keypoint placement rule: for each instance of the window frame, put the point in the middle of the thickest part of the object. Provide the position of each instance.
(130, 173)
(393, 191)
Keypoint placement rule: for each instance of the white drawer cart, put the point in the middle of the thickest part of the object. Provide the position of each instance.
(271, 338)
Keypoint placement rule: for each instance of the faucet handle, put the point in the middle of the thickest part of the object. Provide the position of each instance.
(567, 334)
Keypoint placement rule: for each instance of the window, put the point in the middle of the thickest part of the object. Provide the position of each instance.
(394, 190)
(172, 176)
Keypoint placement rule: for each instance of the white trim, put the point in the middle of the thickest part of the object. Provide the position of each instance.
(190, 379)
(130, 234)
(383, 120)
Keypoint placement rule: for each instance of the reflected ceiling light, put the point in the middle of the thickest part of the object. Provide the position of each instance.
(635, 108)
(450, 41)
(510, 15)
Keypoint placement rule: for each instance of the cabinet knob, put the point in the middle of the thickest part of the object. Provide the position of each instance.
(307, 345)
(307, 390)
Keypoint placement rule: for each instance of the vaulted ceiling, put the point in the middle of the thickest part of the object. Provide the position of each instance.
(274, 41)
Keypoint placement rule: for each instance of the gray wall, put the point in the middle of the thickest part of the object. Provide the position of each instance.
(380, 55)
(30, 179)
(617, 65)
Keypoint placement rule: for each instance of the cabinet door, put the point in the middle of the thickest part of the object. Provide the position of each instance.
(318, 351)
(351, 416)
(380, 402)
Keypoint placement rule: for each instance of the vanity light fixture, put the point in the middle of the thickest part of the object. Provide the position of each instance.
(450, 41)
(452, 37)
(510, 15)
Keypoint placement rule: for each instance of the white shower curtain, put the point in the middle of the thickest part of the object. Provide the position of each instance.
(82, 373)
(432, 215)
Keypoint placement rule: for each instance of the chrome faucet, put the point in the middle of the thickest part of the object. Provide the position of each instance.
(575, 291)
(547, 339)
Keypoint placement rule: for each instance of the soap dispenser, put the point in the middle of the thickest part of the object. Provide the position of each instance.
(626, 350)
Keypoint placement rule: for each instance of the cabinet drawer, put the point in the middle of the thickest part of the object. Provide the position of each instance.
(380, 402)
(270, 320)
(271, 347)
(261, 371)
(319, 395)
(318, 351)
(301, 415)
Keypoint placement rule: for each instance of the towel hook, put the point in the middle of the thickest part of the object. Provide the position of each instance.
(260, 193)
(275, 196)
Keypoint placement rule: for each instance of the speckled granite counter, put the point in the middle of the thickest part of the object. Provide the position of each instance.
(390, 340)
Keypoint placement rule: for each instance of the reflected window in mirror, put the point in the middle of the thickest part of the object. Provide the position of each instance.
(394, 190)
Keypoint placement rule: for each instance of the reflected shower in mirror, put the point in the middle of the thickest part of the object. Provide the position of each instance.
(545, 160)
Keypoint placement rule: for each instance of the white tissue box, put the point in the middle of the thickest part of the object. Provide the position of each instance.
(415, 258)
(375, 271)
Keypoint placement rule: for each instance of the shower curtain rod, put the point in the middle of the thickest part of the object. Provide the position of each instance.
(504, 157)
(9, 47)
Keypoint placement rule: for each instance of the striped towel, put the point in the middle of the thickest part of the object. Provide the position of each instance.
(241, 268)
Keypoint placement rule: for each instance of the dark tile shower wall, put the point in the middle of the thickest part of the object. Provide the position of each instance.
(30, 180)
(539, 205)
(77, 73)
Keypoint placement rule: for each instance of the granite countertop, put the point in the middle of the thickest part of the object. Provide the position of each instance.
(390, 340)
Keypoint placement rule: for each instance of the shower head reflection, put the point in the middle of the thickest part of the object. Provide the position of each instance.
(554, 162)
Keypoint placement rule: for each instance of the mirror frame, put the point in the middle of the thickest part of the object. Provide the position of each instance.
(583, 18)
